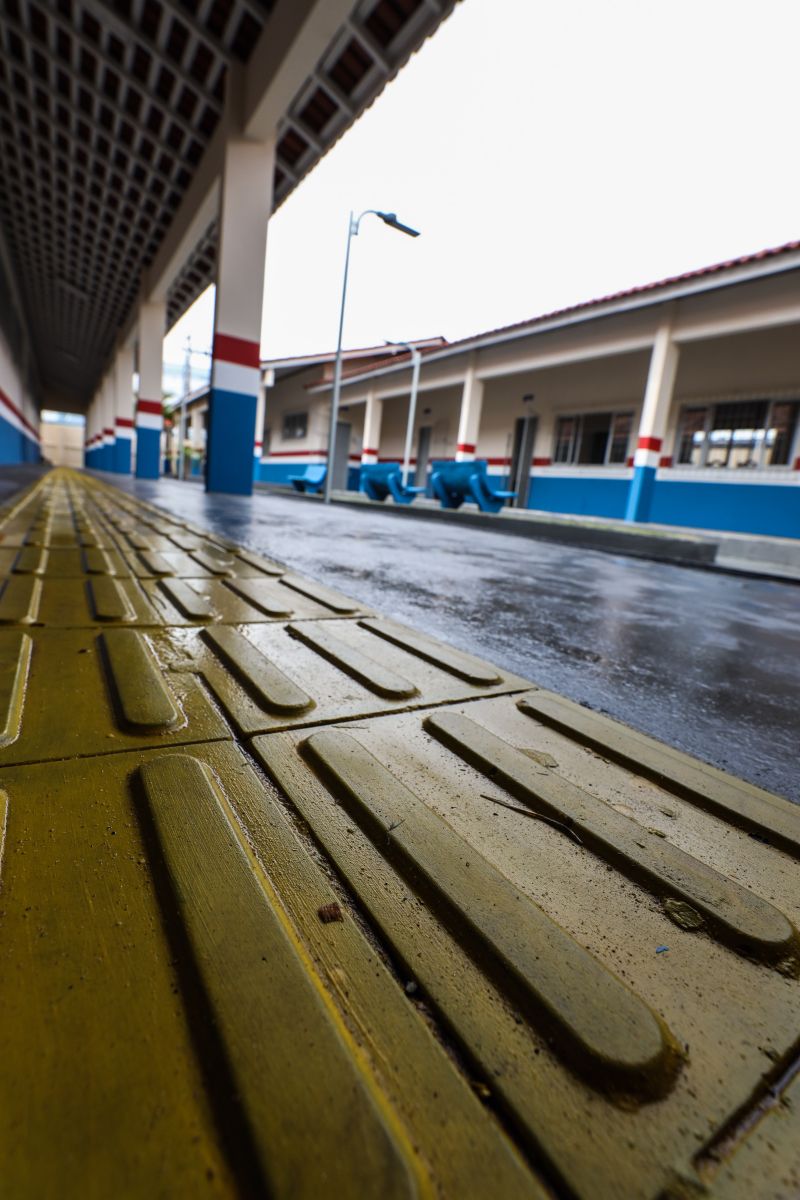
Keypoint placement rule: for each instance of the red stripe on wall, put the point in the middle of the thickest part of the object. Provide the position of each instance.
(665, 460)
(366, 450)
(125, 422)
(298, 453)
(797, 464)
(108, 432)
(541, 462)
(237, 350)
(465, 448)
(149, 406)
(649, 443)
(11, 406)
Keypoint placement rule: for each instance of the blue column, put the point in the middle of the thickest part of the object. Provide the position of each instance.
(148, 442)
(643, 484)
(232, 416)
(122, 455)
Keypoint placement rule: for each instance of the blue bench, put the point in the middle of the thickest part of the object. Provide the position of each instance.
(312, 479)
(379, 480)
(455, 482)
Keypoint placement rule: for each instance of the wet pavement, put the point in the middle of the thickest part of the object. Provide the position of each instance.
(704, 661)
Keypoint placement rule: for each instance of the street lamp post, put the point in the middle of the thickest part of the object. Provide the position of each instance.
(353, 226)
(416, 359)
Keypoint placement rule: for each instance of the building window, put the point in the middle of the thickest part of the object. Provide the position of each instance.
(295, 425)
(619, 440)
(749, 433)
(780, 434)
(692, 442)
(593, 439)
(566, 436)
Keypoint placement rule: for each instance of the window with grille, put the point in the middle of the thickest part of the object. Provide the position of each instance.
(745, 433)
(295, 426)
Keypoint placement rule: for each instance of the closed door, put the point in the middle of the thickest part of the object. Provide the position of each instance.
(520, 482)
(423, 455)
(341, 461)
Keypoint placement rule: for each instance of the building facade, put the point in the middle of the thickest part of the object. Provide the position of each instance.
(677, 403)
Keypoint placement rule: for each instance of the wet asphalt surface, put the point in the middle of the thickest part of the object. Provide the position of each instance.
(706, 662)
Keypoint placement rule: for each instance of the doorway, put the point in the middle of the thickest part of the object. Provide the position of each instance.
(341, 457)
(423, 456)
(521, 456)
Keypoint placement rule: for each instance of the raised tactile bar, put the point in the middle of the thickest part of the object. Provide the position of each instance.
(253, 974)
(729, 798)
(740, 919)
(602, 1028)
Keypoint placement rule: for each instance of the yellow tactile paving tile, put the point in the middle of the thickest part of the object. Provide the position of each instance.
(274, 676)
(184, 1023)
(296, 901)
(535, 921)
(121, 689)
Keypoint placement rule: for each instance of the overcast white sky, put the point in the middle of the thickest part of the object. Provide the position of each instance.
(550, 151)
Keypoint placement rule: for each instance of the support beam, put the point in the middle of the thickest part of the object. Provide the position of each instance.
(373, 414)
(652, 424)
(123, 423)
(149, 418)
(470, 416)
(245, 204)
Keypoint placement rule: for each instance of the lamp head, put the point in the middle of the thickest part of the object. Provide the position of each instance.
(391, 220)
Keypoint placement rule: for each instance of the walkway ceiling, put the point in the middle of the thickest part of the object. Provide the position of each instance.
(106, 112)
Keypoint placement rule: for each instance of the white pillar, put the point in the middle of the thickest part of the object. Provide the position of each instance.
(373, 413)
(123, 420)
(261, 408)
(149, 420)
(470, 416)
(108, 405)
(245, 205)
(652, 423)
(543, 440)
(196, 428)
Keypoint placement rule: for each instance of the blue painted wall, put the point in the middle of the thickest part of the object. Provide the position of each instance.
(737, 507)
(16, 447)
(278, 472)
(591, 497)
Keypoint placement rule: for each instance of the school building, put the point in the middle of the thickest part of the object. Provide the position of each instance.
(674, 403)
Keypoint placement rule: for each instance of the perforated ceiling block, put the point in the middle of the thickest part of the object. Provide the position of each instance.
(185, 1022)
(619, 963)
(273, 676)
(82, 692)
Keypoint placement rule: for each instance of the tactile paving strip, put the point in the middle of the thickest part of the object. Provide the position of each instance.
(297, 901)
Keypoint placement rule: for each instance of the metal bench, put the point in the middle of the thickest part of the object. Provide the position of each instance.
(455, 482)
(379, 480)
(312, 479)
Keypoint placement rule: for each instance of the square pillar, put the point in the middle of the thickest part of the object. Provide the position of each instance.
(245, 202)
(258, 444)
(123, 421)
(470, 417)
(149, 418)
(373, 413)
(107, 423)
(652, 424)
